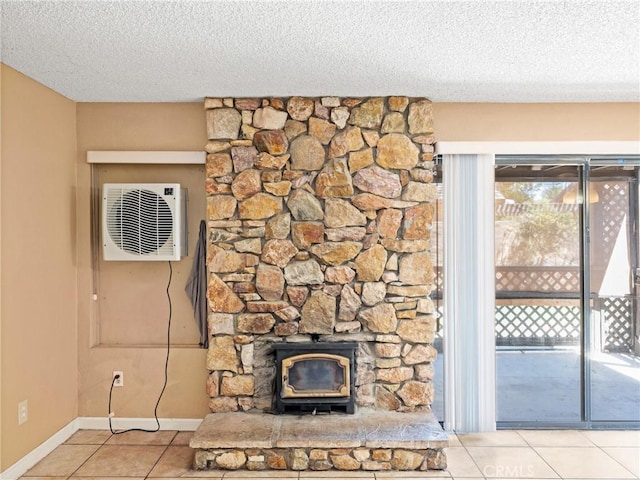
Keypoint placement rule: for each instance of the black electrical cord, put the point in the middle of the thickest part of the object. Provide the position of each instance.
(166, 374)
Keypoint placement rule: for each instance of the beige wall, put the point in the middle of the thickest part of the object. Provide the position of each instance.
(125, 329)
(38, 251)
(181, 127)
(38, 246)
(536, 121)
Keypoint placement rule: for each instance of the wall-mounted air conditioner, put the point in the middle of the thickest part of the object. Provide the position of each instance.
(143, 221)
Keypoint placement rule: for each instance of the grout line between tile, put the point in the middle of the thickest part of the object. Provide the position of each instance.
(607, 454)
(522, 438)
(86, 460)
(596, 446)
(472, 459)
(158, 460)
(547, 463)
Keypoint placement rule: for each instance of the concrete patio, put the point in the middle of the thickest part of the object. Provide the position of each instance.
(543, 385)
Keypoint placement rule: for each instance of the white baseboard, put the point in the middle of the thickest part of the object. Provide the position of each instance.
(19, 468)
(45, 448)
(102, 423)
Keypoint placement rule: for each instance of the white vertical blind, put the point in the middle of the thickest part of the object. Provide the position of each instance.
(469, 293)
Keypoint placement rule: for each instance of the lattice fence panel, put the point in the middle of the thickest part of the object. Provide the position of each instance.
(527, 279)
(537, 325)
(538, 279)
(618, 321)
(532, 325)
(614, 202)
(503, 210)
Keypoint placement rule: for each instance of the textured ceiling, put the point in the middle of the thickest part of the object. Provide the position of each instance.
(468, 51)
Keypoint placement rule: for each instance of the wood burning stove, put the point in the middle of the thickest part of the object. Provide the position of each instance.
(315, 377)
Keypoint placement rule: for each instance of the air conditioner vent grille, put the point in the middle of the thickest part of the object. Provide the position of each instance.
(141, 221)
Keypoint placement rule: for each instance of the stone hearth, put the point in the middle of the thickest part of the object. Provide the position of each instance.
(368, 440)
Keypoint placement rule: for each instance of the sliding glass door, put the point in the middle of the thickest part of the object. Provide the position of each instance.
(567, 281)
(538, 315)
(614, 372)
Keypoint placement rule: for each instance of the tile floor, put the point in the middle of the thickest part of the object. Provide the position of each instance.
(512, 454)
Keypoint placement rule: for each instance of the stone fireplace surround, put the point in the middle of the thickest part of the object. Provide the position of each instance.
(319, 214)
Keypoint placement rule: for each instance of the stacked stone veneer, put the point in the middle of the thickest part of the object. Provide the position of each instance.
(319, 214)
(321, 459)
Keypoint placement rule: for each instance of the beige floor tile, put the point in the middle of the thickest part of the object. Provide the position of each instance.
(501, 438)
(413, 476)
(453, 440)
(174, 462)
(460, 463)
(506, 462)
(263, 474)
(108, 478)
(62, 461)
(431, 475)
(213, 476)
(121, 461)
(251, 477)
(182, 438)
(218, 476)
(163, 437)
(629, 457)
(613, 438)
(575, 462)
(208, 474)
(555, 438)
(44, 478)
(237, 475)
(88, 437)
(568, 453)
(419, 476)
(335, 474)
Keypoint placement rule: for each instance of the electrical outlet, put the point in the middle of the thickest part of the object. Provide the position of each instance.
(23, 412)
(118, 382)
